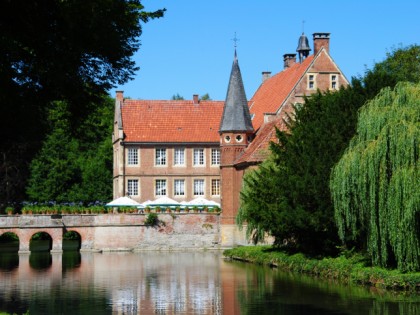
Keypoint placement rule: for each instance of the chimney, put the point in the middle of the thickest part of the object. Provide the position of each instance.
(289, 60)
(321, 40)
(119, 95)
(195, 99)
(266, 75)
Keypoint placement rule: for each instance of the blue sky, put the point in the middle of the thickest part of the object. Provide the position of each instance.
(190, 50)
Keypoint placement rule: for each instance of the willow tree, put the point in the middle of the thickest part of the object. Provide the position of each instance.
(375, 185)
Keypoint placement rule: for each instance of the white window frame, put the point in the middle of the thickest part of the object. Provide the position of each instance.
(179, 187)
(133, 187)
(161, 185)
(179, 156)
(215, 157)
(334, 82)
(215, 187)
(311, 81)
(161, 158)
(199, 157)
(133, 157)
(199, 188)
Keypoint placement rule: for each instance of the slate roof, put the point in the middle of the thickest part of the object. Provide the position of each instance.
(236, 117)
(171, 121)
(273, 92)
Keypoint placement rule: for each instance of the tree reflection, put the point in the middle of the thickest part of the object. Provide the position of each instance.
(275, 292)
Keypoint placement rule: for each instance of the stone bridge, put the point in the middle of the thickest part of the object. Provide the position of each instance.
(118, 232)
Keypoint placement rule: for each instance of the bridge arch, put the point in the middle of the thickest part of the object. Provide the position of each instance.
(72, 240)
(9, 241)
(40, 242)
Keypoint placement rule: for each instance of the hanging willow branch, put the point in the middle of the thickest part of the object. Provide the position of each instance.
(375, 186)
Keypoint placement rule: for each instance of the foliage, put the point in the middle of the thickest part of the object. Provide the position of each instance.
(53, 207)
(9, 209)
(375, 185)
(52, 171)
(152, 219)
(69, 50)
(177, 97)
(288, 197)
(74, 165)
(352, 269)
(72, 51)
(205, 97)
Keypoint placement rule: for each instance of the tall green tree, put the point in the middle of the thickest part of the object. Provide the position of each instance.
(375, 186)
(74, 166)
(288, 197)
(73, 51)
(52, 171)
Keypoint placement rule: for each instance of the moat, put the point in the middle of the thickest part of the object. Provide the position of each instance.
(162, 282)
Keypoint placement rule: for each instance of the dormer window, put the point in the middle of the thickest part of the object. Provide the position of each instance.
(334, 81)
(311, 81)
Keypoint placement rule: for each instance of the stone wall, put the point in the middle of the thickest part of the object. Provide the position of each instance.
(114, 232)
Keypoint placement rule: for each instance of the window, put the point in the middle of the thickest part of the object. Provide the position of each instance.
(198, 187)
(133, 187)
(215, 157)
(198, 157)
(215, 187)
(133, 156)
(179, 189)
(160, 157)
(334, 82)
(179, 156)
(160, 187)
(311, 81)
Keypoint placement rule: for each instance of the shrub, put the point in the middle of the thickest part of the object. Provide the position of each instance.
(152, 219)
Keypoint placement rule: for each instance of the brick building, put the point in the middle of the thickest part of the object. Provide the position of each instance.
(185, 149)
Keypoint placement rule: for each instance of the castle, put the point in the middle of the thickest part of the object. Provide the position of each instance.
(185, 149)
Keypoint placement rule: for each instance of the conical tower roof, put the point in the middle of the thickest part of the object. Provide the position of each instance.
(236, 117)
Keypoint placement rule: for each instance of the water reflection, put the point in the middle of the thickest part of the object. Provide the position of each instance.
(175, 283)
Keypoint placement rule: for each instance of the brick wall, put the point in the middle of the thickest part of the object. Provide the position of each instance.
(112, 232)
(147, 172)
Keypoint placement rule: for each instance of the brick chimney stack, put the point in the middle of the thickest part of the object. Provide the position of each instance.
(289, 60)
(321, 40)
(266, 75)
(195, 99)
(119, 95)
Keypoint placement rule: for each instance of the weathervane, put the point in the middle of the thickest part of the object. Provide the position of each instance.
(235, 41)
(303, 26)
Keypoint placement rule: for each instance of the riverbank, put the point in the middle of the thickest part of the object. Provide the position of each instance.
(352, 269)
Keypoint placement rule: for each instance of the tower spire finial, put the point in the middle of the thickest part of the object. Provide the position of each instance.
(303, 26)
(235, 41)
(235, 44)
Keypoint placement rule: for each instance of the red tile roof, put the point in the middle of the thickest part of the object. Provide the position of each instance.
(171, 121)
(259, 148)
(274, 91)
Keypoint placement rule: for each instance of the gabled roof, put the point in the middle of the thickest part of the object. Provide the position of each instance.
(259, 149)
(236, 117)
(171, 121)
(273, 92)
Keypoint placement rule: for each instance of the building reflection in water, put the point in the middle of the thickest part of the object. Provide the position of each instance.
(130, 283)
